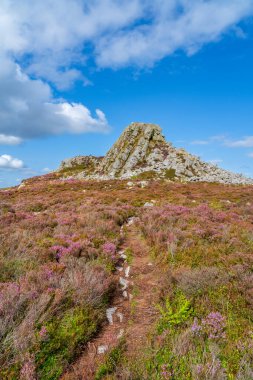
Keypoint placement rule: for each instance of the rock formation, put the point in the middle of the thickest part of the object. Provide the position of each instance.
(87, 164)
(142, 150)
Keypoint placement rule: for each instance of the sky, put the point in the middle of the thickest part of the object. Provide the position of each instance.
(75, 73)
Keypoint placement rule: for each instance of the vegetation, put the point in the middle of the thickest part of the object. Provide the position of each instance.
(58, 244)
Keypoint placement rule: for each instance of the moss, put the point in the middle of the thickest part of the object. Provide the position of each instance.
(170, 173)
(65, 337)
(75, 169)
(146, 175)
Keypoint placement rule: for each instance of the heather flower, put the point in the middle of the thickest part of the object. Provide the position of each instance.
(28, 371)
(199, 368)
(68, 248)
(110, 250)
(165, 372)
(214, 325)
(43, 332)
(196, 328)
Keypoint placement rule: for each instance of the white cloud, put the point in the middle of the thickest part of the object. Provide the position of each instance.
(54, 35)
(9, 140)
(200, 142)
(246, 142)
(28, 109)
(173, 25)
(250, 155)
(54, 41)
(9, 162)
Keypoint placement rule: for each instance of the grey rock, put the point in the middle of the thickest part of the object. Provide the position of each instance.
(143, 150)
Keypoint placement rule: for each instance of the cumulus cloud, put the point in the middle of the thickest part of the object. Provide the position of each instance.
(9, 140)
(173, 25)
(28, 109)
(9, 162)
(45, 43)
(54, 35)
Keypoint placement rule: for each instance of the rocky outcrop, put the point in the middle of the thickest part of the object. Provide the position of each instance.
(132, 149)
(143, 151)
(86, 164)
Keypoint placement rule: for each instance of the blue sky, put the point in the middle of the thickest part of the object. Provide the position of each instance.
(186, 65)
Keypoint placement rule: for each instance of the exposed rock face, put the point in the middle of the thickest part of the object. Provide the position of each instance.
(132, 149)
(86, 163)
(142, 149)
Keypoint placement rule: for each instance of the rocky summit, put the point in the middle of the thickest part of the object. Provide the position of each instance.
(142, 152)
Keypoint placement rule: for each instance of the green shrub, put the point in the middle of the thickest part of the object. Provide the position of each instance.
(174, 313)
(65, 336)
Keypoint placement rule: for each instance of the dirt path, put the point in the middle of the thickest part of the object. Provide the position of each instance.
(131, 313)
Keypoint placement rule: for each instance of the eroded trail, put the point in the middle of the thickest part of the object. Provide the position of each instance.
(131, 313)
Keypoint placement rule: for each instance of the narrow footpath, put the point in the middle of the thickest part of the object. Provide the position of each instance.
(131, 313)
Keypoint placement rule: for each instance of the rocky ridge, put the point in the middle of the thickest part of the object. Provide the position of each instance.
(141, 151)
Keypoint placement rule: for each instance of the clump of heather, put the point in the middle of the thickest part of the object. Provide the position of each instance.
(28, 370)
(109, 249)
(214, 325)
(166, 373)
(196, 328)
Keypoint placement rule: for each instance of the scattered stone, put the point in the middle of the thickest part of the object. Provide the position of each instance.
(121, 333)
(102, 349)
(127, 271)
(125, 294)
(21, 185)
(109, 314)
(123, 282)
(131, 221)
(143, 184)
(148, 204)
(120, 316)
(120, 269)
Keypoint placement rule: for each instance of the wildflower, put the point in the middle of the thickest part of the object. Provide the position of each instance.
(165, 372)
(28, 371)
(214, 325)
(110, 250)
(196, 328)
(43, 332)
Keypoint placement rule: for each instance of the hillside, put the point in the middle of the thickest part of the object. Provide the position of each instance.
(142, 152)
(126, 280)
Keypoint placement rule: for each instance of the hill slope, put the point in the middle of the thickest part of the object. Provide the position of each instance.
(118, 280)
